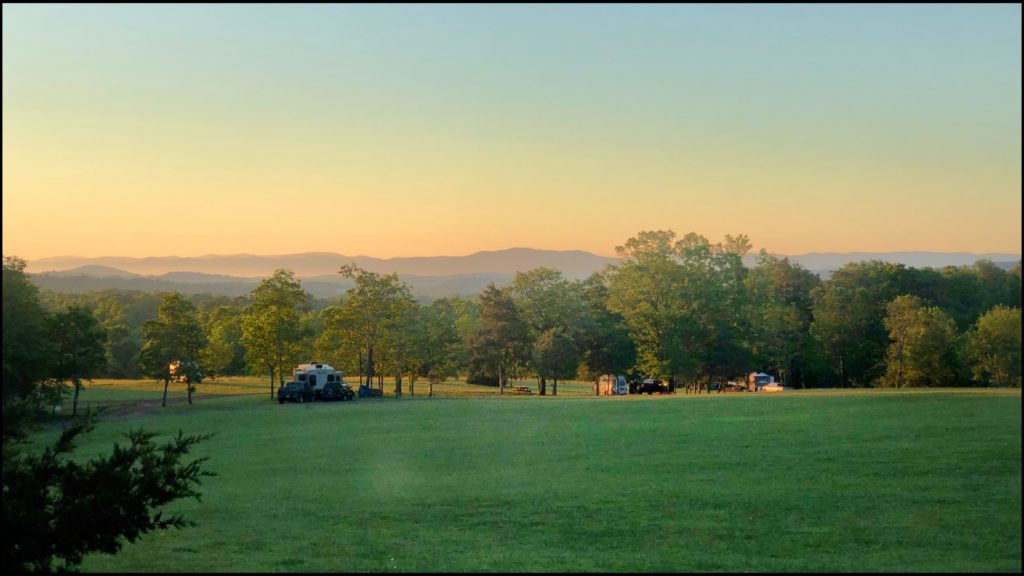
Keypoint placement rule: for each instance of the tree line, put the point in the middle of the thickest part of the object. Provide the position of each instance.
(679, 307)
(57, 508)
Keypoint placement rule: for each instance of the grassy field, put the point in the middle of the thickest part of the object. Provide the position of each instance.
(815, 481)
(113, 392)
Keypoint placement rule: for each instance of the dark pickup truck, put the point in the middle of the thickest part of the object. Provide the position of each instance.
(651, 386)
(336, 391)
(294, 392)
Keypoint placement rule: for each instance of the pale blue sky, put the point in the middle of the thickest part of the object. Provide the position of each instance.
(484, 127)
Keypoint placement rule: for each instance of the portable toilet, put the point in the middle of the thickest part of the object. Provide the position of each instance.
(609, 385)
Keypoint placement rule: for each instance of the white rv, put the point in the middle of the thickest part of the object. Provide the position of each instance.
(316, 376)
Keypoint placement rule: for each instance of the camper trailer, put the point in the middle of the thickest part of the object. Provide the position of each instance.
(315, 375)
(323, 381)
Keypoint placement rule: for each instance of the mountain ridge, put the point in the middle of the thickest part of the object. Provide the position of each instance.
(322, 280)
(507, 261)
(316, 263)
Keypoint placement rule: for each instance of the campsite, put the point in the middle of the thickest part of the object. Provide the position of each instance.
(515, 288)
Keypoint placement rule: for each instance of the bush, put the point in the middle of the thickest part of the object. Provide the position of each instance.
(57, 509)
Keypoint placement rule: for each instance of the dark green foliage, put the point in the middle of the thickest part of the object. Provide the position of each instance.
(224, 353)
(122, 314)
(123, 347)
(848, 318)
(673, 306)
(56, 510)
(555, 354)
(437, 348)
(79, 348)
(502, 341)
(683, 302)
(922, 349)
(779, 317)
(482, 379)
(607, 347)
(26, 345)
(173, 336)
(993, 348)
(967, 292)
(555, 314)
(370, 320)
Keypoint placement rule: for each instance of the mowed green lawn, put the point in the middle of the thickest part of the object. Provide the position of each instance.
(116, 392)
(816, 481)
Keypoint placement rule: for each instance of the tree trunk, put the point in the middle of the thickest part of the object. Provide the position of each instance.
(398, 379)
(543, 386)
(271, 383)
(554, 386)
(188, 385)
(360, 368)
(501, 382)
(412, 384)
(74, 403)
(280, 370)
(166, 382)
(369, 367)
(430, 388)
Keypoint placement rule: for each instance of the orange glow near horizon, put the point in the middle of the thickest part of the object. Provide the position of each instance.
(447, 131)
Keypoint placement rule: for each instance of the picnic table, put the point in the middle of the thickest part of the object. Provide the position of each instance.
(524, 389)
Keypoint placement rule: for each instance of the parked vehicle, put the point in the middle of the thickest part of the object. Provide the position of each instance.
(337, 391)
(761, 382)
(294, 392)
(652, 386)
(316, 382)
(734, 386)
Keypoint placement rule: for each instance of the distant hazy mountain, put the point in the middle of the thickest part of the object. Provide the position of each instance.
(429, 277)
(573, 262)
(833, 261)
(94, 271)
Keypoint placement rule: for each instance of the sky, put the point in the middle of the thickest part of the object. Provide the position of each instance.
(421, 130)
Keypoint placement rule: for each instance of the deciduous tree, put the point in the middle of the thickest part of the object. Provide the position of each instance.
(272, 330)
(922, 348)
(502, 340)
(369, 314)
(994, 347)
(80, 348)
(173, 336)
(26, 346)
(547, 302)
